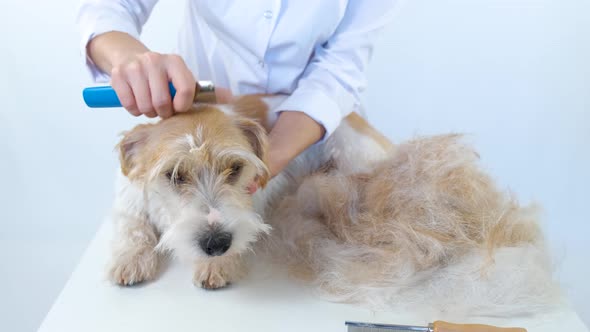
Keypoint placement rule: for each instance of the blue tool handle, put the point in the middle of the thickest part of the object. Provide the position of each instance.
(105, 96)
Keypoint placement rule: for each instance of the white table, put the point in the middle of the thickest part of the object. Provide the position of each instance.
(264, 301)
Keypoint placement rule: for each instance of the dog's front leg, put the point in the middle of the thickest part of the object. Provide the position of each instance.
(218, 272)
(134, 258)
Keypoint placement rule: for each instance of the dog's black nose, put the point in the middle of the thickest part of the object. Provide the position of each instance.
(215, 243)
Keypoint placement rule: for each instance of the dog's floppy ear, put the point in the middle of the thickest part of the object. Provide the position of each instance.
(130, 146)
(257, 137)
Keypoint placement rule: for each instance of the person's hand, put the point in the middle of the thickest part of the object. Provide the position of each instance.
(141, 83)
(140, 77)
(292, 134)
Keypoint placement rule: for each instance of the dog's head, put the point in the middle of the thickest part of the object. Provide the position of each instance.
(194, 169)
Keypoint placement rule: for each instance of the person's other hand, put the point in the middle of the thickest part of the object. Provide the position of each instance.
(291, 135)
(141, 83)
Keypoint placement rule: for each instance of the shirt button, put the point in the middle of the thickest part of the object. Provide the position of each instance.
(261, 63)
(267, 14)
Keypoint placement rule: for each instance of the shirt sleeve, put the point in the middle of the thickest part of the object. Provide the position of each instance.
(330, 87)
(96, 17)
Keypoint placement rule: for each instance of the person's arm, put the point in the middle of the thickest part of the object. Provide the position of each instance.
(97, 17)
(111, 49)
(110, 43)
(329, 88)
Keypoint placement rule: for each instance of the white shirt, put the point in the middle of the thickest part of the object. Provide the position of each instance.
(316, 51)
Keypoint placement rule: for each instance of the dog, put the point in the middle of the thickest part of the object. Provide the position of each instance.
(366, 220)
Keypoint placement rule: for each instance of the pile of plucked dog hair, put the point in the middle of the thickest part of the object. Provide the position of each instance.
(425, 228)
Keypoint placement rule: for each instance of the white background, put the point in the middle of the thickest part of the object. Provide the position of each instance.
(514, 74)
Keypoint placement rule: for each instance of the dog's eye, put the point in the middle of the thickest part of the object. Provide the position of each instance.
(176, 178)
(234, 172)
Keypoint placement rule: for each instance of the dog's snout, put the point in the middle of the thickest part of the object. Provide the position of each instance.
(215, 243)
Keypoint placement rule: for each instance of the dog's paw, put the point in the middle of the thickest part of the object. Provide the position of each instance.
(132, 268)
(217, 273)
(210, 275)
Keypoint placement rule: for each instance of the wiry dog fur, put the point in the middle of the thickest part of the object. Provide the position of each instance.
(366, 221)
(425, 227)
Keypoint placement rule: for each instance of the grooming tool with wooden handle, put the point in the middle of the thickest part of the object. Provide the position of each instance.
(105, 96)
(438, 326)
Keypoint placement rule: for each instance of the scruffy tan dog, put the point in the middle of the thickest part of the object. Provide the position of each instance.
(366, 220)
